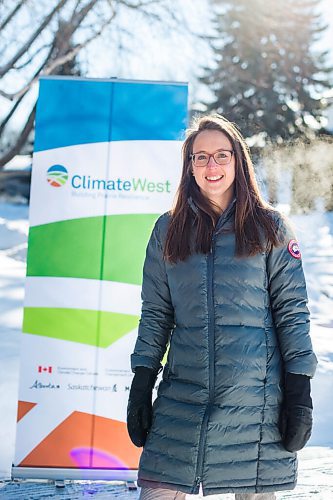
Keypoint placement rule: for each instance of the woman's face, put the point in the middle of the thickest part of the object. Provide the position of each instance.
(215, 181)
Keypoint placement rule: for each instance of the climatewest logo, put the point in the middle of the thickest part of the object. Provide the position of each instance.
(57, 175)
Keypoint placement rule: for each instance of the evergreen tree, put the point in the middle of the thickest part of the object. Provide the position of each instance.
(268, 77)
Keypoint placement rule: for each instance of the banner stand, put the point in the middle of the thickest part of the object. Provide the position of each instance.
(58, 474)
(106, 164)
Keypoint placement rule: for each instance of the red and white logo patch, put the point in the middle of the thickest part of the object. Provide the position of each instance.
(293, 249)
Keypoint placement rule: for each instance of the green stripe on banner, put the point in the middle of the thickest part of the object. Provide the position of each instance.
(73, 248)
(96, 328)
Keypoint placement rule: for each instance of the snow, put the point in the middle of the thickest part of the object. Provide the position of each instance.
(315, 233)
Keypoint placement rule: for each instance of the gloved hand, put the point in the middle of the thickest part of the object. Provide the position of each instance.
(139, 409)
(296, 413)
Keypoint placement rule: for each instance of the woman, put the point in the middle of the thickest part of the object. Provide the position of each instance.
(223, 286)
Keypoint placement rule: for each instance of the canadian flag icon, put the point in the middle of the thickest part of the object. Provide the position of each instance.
(44, 369)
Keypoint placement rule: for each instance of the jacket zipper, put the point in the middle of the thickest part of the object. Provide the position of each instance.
(211, 344)
(211, 348)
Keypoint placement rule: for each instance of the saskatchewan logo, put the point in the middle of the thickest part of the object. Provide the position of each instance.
(57, 175)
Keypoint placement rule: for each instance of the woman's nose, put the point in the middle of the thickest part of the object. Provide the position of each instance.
(211, 162)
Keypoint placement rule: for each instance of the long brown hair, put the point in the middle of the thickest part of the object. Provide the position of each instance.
(253, 216)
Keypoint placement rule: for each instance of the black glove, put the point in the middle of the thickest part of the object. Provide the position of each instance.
(296, 413)
(139, 409)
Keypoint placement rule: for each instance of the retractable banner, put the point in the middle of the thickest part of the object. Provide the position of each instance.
(106, 164)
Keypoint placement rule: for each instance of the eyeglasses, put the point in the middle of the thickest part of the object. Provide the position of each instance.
(222, 157)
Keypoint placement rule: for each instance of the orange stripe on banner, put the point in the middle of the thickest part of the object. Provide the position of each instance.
(70, 445)
(111, 437)
(23, 408)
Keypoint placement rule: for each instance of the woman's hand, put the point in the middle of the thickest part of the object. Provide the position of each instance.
(139, 409)
(295, 427)
(296, 413)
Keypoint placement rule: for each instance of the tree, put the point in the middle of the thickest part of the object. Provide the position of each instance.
(46, 37)
(268, 76)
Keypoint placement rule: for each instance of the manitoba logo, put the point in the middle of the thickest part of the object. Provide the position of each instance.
(57, 175)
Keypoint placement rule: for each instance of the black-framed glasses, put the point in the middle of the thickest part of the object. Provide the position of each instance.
(222, 157)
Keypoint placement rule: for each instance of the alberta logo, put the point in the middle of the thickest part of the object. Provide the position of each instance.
(57, 175)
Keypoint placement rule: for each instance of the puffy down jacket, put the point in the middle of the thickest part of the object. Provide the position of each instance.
(234, 326)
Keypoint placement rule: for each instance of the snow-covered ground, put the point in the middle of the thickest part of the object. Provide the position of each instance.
(315, 233)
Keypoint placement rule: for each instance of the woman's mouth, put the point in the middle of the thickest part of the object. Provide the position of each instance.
(214, 178)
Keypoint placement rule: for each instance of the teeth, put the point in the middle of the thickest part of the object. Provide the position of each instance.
(215, 178)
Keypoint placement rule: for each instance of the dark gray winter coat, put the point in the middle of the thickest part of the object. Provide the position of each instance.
(234, 326)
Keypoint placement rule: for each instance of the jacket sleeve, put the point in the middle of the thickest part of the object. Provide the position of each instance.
(288, 298)
(157, 314)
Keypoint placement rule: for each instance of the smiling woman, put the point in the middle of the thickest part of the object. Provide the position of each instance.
(223, 285)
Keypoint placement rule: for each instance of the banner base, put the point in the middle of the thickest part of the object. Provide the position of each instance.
(74, 474)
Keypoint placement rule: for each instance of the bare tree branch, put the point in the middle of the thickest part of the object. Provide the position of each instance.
(22, 94)
(12, 14)
(78, 17)
(10, 114)
(77, 5)
(59, 61)
(139, 5)
(62, 40)
(31, 58)
(22, 139)
(70, 55)
(33, 37)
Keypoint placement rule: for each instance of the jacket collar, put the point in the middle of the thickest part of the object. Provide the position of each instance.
(224, 215)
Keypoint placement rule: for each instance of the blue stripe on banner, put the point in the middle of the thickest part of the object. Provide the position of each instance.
(73, 111)
(149, 111)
